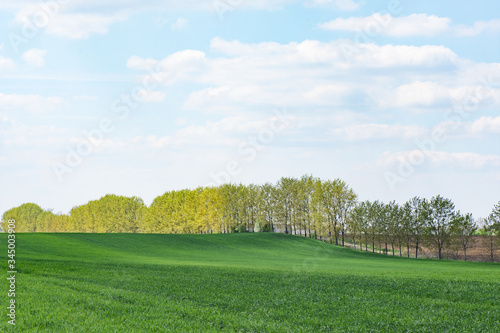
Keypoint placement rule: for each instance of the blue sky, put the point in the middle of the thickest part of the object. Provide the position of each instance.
(398, 98)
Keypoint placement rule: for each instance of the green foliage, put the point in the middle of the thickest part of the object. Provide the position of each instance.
(111, 213)
(491, 230)
(463, 227)
(25, 216)
(494, 219)
(238, 228)
(307, 206)
(438, 225)
(241, 283)
(263, 227)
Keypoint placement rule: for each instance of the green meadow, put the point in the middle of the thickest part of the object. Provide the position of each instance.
(254, 282)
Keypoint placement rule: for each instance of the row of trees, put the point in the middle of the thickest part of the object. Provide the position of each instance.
(433, 222)
(323, 209)
(307, 206)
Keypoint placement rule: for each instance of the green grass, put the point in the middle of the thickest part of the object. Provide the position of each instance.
(240, 283)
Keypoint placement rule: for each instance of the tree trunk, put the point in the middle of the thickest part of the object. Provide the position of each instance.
(416, 250)
(439, 252)
(465, 253)
(492, 248)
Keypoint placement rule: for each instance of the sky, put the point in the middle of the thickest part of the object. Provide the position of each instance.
(397, 98)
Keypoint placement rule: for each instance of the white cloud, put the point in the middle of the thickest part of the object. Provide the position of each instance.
(35, 57)
(33, 103)
(368, 132)
(136, 62)
(429, 56)
(81, 26)
(179, 66)
(181, 121)
(436, 159)
(66, 23)
(256, 77)
(486, 125)
(300, 74)
(6, 64)
(86, 98)
(33, 136)
(345, 5)
(492, 26)
(316, 52)
(411, 25)
(424, 94)
(227, 132)
(103, 147)
(79, 19)
(180, 24)
(151, 96)
(111, 6)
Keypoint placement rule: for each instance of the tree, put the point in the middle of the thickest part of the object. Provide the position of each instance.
(495, 216)
(490, 237)
(420, 211)
(463, 228)
(319, 216)
(372, 211)
(267, 202)
(209, 210)
(491, 232)
(438, 225)
(250, 204)
(285, 209)
(110, 213)
(25, 216)
(407, 226)
(304, 190)
(379, 226)
(357, 220)
(336, 200)
(45, 221)
(346, 200)
(395, 217)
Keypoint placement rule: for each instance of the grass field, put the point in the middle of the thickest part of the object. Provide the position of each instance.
(239, 283)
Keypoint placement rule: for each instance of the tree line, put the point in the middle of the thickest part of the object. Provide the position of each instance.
(328, 210)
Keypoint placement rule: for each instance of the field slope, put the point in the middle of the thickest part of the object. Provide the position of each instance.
(239, 283)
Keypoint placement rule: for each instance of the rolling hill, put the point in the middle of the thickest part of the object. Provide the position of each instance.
(240, 283)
